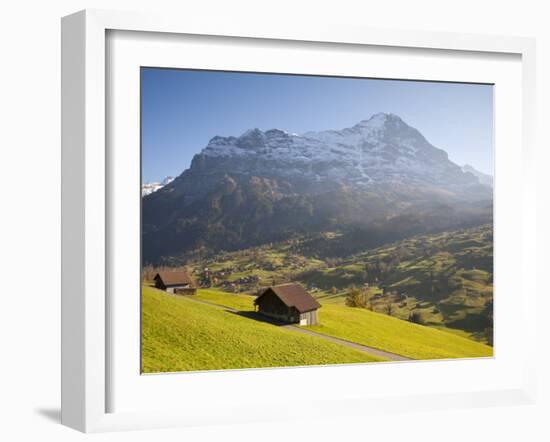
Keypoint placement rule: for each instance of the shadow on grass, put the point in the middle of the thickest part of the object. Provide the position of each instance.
(471, 323)
(259, 317)
(449, 310)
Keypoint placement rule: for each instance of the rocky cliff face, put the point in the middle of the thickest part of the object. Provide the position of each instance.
(262, 186)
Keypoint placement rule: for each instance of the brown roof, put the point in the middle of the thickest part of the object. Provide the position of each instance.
(174, 278)
(293, 295)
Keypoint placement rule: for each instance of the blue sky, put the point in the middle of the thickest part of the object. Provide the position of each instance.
(183, 109)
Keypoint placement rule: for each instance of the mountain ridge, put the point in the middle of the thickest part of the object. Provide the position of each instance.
(153, 186)
(484, 178)
(381, 149)
(268, 185)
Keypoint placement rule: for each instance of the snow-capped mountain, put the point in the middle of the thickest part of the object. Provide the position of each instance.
(382, 149)
(381, 175)
(149, 188)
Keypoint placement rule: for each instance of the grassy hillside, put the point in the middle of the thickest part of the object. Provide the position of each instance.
(179, 334)
(446, 278)
(237, 301)
(395, 335)
(374, 329)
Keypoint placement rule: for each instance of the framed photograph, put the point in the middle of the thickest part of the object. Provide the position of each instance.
(292, 222)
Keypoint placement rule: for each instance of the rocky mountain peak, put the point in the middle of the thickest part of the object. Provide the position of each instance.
(380, 149)
(380, 119)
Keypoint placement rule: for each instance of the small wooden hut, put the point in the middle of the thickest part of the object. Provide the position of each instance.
(289, 303)
(179, 283)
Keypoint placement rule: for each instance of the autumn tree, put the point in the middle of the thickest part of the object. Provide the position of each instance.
(355, 298)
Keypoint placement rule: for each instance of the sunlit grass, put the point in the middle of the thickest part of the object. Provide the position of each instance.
(179, 334)
(375, 330)
(395, 335)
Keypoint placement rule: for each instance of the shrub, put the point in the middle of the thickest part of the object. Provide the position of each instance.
(355, 298)
(417, 318)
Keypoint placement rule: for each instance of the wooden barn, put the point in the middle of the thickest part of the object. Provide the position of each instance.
(179, 283)
(289, 303)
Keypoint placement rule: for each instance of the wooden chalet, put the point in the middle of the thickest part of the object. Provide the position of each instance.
(289, 303)
(179, 283)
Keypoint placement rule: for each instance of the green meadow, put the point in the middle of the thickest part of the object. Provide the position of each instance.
(233, 300)
(179, 334)
(373, 329)
(395, 335)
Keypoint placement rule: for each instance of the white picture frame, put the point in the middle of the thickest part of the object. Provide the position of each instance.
(86, 207)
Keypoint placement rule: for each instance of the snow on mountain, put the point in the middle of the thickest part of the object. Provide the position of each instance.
(378, 150)
(264, 185)
(148, 188)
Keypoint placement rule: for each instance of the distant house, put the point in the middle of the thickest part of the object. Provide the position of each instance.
(179, 283)
(289, 303)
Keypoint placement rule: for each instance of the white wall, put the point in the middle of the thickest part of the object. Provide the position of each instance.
(29, 212)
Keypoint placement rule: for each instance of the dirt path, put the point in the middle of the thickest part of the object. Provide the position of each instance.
(371, 350)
